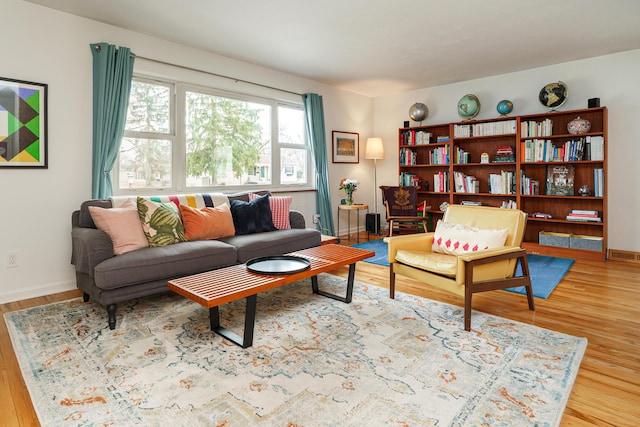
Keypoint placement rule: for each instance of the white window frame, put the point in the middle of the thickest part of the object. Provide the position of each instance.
(177, 136)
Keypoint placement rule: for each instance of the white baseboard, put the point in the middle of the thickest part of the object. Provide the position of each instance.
(37, 291)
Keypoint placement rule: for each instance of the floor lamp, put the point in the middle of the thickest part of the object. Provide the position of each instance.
(374, 151)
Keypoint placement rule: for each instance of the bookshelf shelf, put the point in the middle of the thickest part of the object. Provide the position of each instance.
(461, 153)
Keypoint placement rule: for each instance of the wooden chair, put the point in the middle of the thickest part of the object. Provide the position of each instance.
(465, 273)
(402, 209)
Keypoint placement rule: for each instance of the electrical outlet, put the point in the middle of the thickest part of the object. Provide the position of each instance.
(13, 259)
(316, 218)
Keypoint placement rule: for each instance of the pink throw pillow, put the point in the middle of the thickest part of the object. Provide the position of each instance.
(280, 207)
(122, 225)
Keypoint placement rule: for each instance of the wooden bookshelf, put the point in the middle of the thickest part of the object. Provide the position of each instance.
(475, 137)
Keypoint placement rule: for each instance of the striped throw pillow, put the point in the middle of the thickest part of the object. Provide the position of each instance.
(279, 210)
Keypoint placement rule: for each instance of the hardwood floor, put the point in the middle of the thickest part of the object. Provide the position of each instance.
(596, 300)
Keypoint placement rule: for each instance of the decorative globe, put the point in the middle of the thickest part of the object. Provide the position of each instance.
(468, 106)
(418, 112)
(553, 95)
(504, 107)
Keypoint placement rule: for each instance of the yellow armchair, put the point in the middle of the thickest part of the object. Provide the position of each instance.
(467, 273)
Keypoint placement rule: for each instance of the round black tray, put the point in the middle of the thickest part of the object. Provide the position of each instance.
(276, 265)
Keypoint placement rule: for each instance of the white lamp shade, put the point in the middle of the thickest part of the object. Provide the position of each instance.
(374, 149)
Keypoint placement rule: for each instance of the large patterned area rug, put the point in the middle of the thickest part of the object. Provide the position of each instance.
(315, 362)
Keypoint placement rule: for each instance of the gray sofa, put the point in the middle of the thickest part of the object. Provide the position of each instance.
(108, 279)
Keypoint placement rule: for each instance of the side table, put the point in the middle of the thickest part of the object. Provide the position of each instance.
(349, 208)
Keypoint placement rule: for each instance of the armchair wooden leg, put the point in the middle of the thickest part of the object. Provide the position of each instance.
(392, 282)
(524, 264)
(467, 307)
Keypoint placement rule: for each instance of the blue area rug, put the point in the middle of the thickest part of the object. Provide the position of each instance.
(546, 271)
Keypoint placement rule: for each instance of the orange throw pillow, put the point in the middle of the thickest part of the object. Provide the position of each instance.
(207, 223)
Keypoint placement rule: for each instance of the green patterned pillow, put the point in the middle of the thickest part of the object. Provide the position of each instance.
(161, 222)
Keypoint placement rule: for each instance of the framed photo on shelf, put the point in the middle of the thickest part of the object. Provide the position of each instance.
(23, 124)
(560, 180)
(345, 147)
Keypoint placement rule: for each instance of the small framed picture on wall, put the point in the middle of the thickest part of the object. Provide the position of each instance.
(23, 124)
(346, 147)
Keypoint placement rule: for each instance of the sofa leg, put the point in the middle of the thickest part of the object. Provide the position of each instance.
(85, 297)
(111, 311)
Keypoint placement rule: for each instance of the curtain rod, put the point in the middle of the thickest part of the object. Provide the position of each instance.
(218, 75)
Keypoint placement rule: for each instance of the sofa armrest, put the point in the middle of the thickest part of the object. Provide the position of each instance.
(296, 219)
(419, 241)
(89, 247)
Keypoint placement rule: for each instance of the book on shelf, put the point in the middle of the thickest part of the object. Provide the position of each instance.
(598, 182)
(465, 183)
(528, 186)
(595, 147)
(573, 150)
(408, 157)
(585, 212)
(584, 215)
(470, 203)
(560, 180)
(443, 138)
(406, 179)
(462, 156)
(504, 153)
(441, 182)
(533, 129)
(509, 204)
(416, 137)
(439, 156)
(502, 183)
(583, 218)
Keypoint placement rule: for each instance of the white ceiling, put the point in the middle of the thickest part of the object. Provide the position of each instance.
(380, 47)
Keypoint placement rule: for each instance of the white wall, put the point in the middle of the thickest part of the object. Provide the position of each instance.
(46, 46)
(612, 78)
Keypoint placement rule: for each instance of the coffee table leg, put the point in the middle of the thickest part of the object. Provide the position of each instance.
(249, 323)
(348, 297)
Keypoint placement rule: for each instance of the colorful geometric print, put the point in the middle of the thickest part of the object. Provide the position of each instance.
(20, 125)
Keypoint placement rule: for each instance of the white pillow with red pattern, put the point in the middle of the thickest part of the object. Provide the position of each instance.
(457, 239)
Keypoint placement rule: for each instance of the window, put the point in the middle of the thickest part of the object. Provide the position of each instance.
(220, 140)
(145, 158)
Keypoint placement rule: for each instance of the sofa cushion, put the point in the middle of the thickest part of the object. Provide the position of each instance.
(435, 262)
(456, 239)
(122, 225)
(273, 243)
(163, 263)
(161, 222)
(280, 207)
(207, 223)
(252, 217)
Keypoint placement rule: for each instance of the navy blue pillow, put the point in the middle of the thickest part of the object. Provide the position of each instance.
(252, 217)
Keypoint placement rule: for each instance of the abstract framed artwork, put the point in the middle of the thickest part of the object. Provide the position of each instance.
(23, 124)
(345, 147)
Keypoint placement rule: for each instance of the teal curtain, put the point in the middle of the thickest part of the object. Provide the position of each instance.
(314, 116)
(112, 73)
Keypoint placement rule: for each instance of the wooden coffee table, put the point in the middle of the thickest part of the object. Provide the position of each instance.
(214, 288)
